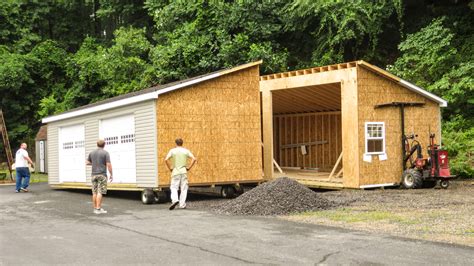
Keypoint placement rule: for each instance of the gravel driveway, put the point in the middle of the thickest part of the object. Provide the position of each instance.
(429, 214)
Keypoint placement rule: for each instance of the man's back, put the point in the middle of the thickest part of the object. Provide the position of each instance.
(99, 159)
(179, 156)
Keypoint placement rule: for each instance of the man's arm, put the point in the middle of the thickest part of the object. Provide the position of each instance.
(109, 167)
(88, 160)
(27, 158)
(168, 165)
(167, 161)
(193, 161)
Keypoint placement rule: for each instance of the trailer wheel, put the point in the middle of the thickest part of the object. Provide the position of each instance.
(429, 184)
(148, 196)
(411, 179)
(240, 190)
(228, 192)
(161, 196)
(444, 184)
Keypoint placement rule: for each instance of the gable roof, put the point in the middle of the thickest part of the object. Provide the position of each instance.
(143, 95)
(42, 133)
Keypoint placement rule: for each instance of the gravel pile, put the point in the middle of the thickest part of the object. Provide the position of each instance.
(278, 197)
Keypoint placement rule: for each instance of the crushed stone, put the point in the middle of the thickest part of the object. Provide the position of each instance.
(278, 197)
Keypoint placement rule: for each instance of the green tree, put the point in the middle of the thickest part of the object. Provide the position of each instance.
(340, 31)
(196, 37)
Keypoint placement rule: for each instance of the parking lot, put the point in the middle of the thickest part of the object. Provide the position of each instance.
(48, 226)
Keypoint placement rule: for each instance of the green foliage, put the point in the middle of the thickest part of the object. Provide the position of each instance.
(456, 86)
(196, 37)
(426, 55)
(342, 31)
(458, 139)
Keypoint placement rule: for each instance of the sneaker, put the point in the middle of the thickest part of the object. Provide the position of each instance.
(182, 208)
(97, 211)
(24, 189)
(17, 191)
(173, 205)
(102, 210)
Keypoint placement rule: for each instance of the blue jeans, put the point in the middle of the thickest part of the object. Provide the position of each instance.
(22, 174)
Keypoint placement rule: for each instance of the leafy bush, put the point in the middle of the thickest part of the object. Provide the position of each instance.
(458, 139)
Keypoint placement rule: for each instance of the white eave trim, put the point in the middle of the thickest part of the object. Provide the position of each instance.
(127, 101)
(414, 88)
(102, 107)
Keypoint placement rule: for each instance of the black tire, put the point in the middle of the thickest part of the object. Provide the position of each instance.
(412, 179)
(161, 197)
(429, 183)
(239, 190)
(148, 196)
(228, 192)
(444, 184)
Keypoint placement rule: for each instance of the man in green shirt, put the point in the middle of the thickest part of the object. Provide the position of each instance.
(178, 168)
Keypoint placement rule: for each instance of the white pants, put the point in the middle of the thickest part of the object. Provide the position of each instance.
(179, 182)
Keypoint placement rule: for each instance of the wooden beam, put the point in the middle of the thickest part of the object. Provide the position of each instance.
(311, 114)
(339, 173)
(277, 166)
(312, 79)
(267, 124)
(335, 166)
(350, 129)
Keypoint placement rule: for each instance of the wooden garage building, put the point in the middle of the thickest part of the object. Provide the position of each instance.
(217, 115)
(339, 126)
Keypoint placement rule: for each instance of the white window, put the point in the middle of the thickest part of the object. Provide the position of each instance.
(374, 138)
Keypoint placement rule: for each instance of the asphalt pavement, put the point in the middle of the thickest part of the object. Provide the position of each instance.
(47, 226)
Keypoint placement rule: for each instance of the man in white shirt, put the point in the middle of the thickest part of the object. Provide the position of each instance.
(22, 170)
(178, 169)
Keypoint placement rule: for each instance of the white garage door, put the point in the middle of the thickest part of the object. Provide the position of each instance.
(72, 158)
(119, 136)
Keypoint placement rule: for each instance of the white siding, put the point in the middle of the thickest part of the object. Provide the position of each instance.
(145, 140)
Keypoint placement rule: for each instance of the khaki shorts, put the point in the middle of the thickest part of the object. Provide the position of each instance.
(99, 184)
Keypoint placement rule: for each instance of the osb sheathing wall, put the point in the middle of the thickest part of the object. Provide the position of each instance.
(374, 90)
(308, 128)
(219, 121)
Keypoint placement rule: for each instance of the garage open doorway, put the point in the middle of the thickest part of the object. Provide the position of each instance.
(323, 100)
(307, 133)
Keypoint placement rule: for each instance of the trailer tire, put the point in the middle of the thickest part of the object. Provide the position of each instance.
(228, 192)
(240, 190)
(412, 179)
(444, 184)
(148, 196)
(161, 196)
(429, 183)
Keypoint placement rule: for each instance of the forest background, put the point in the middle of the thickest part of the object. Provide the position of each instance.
(59, 54)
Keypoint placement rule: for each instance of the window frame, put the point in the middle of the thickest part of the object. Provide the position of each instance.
(367, 138)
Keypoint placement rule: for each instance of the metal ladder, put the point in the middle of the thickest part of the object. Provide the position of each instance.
(6, 143)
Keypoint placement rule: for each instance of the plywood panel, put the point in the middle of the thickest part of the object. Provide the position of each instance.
(219, 121)
(305, 128)
(373, 90)
(350, 124)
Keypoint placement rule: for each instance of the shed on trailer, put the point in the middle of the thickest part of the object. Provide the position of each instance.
(41, 145)
(325, 128)
(217, 115)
